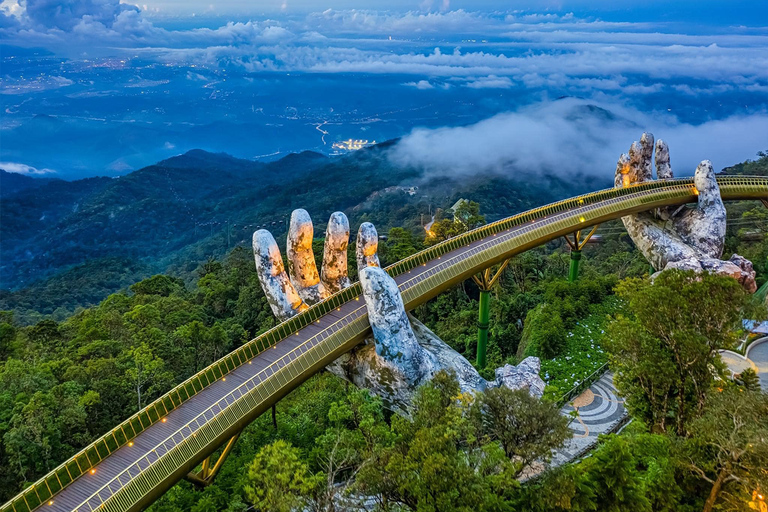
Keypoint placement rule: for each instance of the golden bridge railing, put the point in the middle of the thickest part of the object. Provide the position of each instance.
(563, 216)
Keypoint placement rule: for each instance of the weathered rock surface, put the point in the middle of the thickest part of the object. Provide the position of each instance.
(403, 353)
(523, 376)
(281, 295)
(301, 259)
(367, 246)
(334, 273)
(682, 238)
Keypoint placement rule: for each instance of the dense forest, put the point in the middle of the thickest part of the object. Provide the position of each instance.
(172, 216)
(696, 440)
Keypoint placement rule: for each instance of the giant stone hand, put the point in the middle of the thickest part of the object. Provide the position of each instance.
(681, 237)
(403, 353)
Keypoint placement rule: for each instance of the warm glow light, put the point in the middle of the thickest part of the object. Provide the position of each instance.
(93, 471)
(130, 443)
(582, 219)
(222, 379)
(695, 191)
(50, 502)
(163, 420)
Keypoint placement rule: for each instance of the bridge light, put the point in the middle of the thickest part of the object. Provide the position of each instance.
(695, 191)
(582, 219)
(164, 420)
(130, 443)
(93, 471)
(50, 502)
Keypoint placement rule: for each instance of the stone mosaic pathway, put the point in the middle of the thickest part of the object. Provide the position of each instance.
(598, 411)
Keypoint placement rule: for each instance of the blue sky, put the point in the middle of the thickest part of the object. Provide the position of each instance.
(696, 69)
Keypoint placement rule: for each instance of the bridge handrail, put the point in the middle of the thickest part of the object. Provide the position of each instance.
(82, 462)
(581, 386)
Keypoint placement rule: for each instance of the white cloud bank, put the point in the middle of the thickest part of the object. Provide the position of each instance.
(576, 137)
(534, 51)
(19, 168)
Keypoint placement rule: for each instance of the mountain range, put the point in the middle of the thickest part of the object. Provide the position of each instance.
(171, 216)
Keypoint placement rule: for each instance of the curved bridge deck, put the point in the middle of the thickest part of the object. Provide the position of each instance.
(132, 465)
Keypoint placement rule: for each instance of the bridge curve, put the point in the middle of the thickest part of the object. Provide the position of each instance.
(133, 464)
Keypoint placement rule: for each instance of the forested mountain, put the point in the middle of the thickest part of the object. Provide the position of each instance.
(171, 216)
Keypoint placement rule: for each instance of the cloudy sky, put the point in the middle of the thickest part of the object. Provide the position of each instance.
(685, 65)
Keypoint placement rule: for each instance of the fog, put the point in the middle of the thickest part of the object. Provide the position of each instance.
(577, 136)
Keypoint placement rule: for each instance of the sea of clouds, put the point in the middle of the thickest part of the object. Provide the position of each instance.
(605, 63)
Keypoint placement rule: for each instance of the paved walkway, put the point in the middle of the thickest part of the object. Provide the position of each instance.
(758, 354)
(598, 411)
(757, 360)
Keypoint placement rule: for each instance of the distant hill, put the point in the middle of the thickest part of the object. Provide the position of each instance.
(757, 167)
(13, 182)
(171, 216)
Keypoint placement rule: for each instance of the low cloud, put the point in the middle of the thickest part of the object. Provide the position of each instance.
(576, 137)
(549, 50)
(490, 82)
(421, 84)
(19, 168)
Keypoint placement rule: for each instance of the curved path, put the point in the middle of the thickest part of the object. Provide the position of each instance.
(133, 464)
(598, 410)
(758, 354)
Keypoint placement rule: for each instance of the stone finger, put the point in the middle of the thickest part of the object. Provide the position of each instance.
(281, 295)
(301, 259)
(334, 272)
(704, 226)
(663, 169)
(395, 340)
(621, 178)
(366, 246)
(640, 159)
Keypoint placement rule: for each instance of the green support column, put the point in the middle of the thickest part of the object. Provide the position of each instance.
(483, 321)
(573, 271)
(485, 282)
(576, 245)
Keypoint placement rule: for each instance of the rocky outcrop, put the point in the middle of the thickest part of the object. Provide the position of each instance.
(681, 238)
(523, 376)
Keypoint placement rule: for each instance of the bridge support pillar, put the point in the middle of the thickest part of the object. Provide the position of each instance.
(483, 321)
(485, 281)
(576, 245)
(207, 473)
